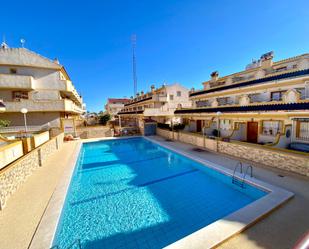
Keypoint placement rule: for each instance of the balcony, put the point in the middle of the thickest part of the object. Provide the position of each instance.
(71, 91)
(13, 81)
(160, 98)
(61, 105)
(151, 112)
(70, 106)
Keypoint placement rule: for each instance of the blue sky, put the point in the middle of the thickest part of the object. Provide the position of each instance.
(177, 40)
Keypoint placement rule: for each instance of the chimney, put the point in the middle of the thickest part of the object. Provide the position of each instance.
(214, 76)
(56, 61)
(267, 60)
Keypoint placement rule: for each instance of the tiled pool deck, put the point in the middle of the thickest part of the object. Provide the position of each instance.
(279, 230)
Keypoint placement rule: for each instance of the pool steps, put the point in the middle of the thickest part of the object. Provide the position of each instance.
(236, 180)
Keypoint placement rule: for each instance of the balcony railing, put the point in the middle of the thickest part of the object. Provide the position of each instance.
(16, 129)
(158, 112)
(69, 87)
(63, 105)
(13, 81)
(160, 98)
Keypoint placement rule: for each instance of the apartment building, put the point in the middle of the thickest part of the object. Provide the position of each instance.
(42, 86)
(113, 106)
(157, 104)
(267, 103)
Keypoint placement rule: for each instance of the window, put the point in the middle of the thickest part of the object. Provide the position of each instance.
(18, 95)
(225, 101)
(202, 103)
(271, 128)
(178, 93)
(302, 92)
(13, 70)
(277, 96)
(302, 130)
(225, 124)
(281, 69)
(171, 97)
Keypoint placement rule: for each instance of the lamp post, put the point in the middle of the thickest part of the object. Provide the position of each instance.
(218, 124)
(24, 111)
(218, 128)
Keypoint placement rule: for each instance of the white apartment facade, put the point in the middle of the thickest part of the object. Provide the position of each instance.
(267, 104)
(42, 86)
(158, 104)
(115, 105)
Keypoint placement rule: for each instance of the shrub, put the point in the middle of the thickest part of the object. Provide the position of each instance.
(104, 118)
(178, 127)
(215, 133)
(4, 123)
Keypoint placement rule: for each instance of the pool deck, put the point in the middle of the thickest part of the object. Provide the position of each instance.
(281, 229)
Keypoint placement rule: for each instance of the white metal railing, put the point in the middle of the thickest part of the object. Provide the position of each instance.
(16, 129)
(40, 105)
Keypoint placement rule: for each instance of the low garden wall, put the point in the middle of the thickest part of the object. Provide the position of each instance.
(12, 176)
(93, 132)
(273, 157)
(10, 152)
(39, 139)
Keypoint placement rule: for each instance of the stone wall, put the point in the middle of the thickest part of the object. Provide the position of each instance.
(191, 138)
(93, 132)
(272, 157)
(165, 133)
(267, 156)
(16, 173)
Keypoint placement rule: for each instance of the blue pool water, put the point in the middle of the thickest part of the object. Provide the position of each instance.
(132, 193)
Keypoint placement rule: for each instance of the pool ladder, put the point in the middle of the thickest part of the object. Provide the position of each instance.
(236, 180)
(75, 245)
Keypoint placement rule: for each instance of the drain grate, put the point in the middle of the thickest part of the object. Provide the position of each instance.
(168, 140)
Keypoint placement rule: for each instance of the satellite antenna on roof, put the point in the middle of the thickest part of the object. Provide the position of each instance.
(22, 41)
(3, 44)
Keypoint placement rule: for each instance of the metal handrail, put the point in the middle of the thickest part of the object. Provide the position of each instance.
(245, 174)
(241, 170)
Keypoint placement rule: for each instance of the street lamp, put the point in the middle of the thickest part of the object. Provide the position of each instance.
(24, 111)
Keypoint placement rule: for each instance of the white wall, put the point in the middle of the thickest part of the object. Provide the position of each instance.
(33, 118)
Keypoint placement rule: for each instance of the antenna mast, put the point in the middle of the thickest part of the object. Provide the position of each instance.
(133, 40)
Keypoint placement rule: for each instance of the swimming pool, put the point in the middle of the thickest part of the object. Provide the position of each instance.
(132, 193)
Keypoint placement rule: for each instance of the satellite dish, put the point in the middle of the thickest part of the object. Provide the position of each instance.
(22, 41)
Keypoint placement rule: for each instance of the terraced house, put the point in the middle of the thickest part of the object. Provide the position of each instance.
(267, 104)
(157, 104)
(42, 86)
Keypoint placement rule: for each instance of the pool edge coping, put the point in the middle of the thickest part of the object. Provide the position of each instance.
(234, 223)
(46, 229)
(207, 237)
